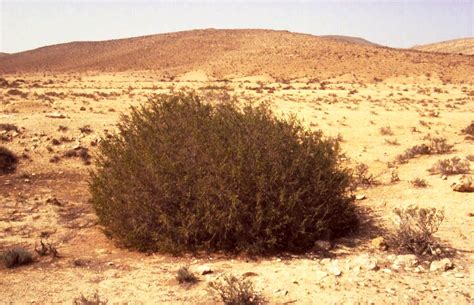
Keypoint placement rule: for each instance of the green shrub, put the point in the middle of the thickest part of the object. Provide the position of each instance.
(234, 291)
(8, 161)
(16, 257)
(183, 174)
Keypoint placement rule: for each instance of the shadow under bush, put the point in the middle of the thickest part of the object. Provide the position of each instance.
(182, 174)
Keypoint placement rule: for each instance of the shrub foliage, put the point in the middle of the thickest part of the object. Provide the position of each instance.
(182, 174)
(8, 161)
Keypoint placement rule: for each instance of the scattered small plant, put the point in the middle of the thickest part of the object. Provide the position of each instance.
(469, 130)
(235, 291)
(362, 177)
(386, 131)
(81, 152)
(394, 176)
(47, 249)
(86, 129)
(93, 299)
(185, 276)
(419, 182)
(8, 161)
(434, 146)
(416, 227)
(8, 127)
(451, 166)
(16, 257)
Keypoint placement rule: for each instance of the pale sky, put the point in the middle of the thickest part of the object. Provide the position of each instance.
(26, 25)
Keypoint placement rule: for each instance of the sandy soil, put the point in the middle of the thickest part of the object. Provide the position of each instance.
(411, 107)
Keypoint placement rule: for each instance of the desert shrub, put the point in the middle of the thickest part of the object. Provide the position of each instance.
(386, 131)
(93, 299)
(235, 291)
(183, 174)
(16, 257)
(469, 130)
(80, 152)
(8, 127)
(185, 276)
(437, 145)
(8, 161)
(362, 177)
(451, 166)
(46, 248)
(416, 227)
(419, 182)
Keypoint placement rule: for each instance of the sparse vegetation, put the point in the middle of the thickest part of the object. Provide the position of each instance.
(183, 174)
(80, 152)
(93, 299)
(185, 276)
(437, 145)
(469, 130)
(386, 131)
(16, 257)
(8, 161)
(235, 291)
(416, 227)
(362, 177)
(419, 182)
(451, 166)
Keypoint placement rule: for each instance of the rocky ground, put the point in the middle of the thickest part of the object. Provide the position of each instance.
(59, 119)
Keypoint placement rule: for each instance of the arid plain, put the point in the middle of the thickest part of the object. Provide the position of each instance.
(378, 101)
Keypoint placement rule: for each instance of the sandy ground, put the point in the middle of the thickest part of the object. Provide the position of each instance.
(89, 262)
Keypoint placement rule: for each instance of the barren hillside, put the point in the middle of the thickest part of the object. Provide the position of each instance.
(458, 46)
(236, 53)
(350, 39)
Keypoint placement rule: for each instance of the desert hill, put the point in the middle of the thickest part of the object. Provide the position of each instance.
(350, 39)
(3, 54)
(458, 46)
(236, 53)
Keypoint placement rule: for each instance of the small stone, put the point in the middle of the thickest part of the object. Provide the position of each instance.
(379, 243)
(360, 197)
(407, 260)
(55, 115)
(444, 177)
(441, 265)
(459, 275)
(335, 270)
(464, 184)
(204, 269)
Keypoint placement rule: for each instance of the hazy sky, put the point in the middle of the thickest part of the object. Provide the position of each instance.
(31, 24)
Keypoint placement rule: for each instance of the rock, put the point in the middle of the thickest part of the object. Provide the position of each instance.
(441, 265)
(335, 270)
(321, 275)
(366, 262)
(464, 184)
(379, 243)
(360, 197)
(403, 261)
(204, 269)
(459, 275)
(444, 177)
(323, 245)
(56, 115)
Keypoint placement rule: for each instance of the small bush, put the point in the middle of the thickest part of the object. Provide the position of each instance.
(81, 152)
(16, 257)
(47, 249)
(469, 130)
(434, 146)
(93, 299)
(8, 161)
(386, 131)
(419, 182)
(234, 291)
(185, 276)
(183, 174)
(362, 177)
(416, 227)
(8, 127)
(451, 166)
